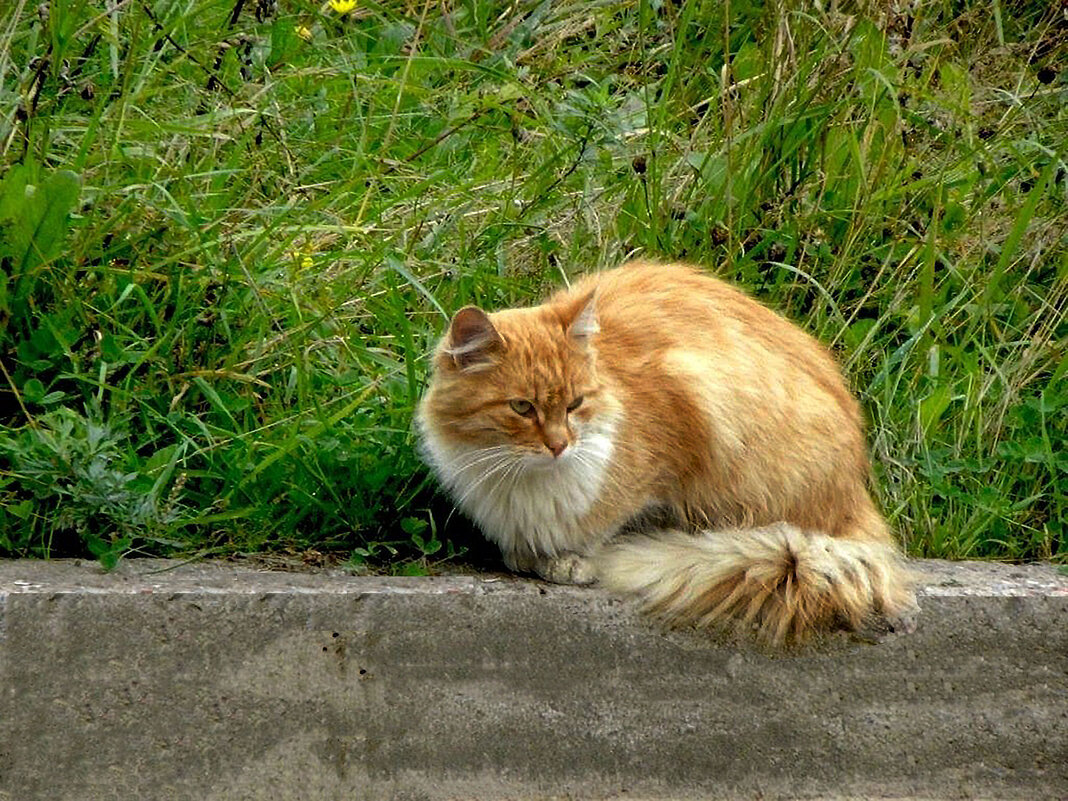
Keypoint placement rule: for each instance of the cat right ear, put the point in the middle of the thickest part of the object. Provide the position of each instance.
(473, 341)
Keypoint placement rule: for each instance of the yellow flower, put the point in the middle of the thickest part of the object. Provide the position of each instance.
(304, 33)
(342, 6)
(306, 263)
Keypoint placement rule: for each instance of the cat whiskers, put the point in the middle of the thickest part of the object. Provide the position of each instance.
(506, 463)
(601, 466)
(478, 457)
(597, 466)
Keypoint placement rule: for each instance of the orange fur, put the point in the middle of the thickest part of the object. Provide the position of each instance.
(699, 406)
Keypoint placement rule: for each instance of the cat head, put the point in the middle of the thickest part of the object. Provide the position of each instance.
(523, 380)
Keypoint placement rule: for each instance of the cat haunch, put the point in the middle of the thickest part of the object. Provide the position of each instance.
(654, 392)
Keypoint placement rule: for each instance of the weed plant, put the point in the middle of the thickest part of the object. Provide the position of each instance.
(231, 231)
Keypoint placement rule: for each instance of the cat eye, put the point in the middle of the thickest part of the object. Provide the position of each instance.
(522, 407)
(575, 403)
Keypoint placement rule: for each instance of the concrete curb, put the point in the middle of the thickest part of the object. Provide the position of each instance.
(213, 682)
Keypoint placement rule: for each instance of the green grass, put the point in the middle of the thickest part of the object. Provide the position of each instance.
(231, 233)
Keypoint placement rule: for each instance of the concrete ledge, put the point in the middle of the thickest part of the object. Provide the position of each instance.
(214, 682)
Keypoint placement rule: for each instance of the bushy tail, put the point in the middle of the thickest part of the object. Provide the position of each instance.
(783, 582)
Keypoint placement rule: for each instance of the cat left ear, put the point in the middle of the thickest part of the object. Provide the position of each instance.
(582, 320)
(472, 339)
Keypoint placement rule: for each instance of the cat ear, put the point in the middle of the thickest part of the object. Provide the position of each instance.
(581, 318)
(472, 339)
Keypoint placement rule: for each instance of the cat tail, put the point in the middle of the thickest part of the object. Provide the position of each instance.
(784, 583)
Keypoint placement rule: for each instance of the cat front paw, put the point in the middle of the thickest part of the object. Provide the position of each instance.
(568, 568)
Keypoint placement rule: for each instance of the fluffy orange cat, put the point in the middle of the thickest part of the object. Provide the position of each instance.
(655, 396)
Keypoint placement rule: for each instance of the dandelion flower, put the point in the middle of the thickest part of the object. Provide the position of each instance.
(306, 263)
(342, 6)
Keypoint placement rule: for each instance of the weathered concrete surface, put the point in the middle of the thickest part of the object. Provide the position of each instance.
(216, 683)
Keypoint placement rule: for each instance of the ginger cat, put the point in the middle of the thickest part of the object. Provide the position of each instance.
(653, 394)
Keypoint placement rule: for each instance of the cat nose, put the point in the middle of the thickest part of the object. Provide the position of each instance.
(556, 446)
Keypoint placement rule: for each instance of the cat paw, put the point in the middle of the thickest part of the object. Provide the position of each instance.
(568, 568)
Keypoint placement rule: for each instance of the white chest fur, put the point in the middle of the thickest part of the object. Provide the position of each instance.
(523, 501)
